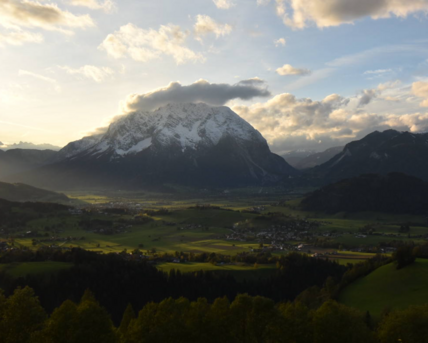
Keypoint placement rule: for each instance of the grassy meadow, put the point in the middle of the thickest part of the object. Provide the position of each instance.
(389, 288)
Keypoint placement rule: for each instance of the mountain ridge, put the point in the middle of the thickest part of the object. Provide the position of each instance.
(192, 144)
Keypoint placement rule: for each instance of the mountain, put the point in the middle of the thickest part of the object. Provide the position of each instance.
(294, 157)
(191, 144)
(393, 193)
(20, 160)
(379, 153)
(316, 159)
(22, 193)
(28, 145)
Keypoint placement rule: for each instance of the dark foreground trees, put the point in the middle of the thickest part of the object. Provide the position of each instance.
(246, 319)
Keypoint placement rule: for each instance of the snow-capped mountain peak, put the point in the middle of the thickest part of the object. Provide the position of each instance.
(186, 126)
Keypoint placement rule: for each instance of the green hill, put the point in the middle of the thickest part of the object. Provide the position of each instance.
(388, 287)
(21, 192)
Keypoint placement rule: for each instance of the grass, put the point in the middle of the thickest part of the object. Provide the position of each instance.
(388, 287)
(239, 271)
(31, 268)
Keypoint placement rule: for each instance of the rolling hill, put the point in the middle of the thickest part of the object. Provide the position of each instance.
(389, 288)
(22, 193)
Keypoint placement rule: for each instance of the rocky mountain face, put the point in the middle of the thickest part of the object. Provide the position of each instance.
(379, 153)
(190, 144)
(20, 160)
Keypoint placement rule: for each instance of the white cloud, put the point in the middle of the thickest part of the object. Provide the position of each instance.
(107, 5)
(224, 4)
(263, 2)
(200, 91)
(98, 74)
(378, 71)
(205, 25)
(287, 69)
(289, 123)
(420, 89)
(280, 42)
(299, 14)
(16, 14)
(40, 77)
(19, 37)
(145, 45)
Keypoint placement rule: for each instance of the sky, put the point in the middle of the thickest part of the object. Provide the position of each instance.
(308, 74)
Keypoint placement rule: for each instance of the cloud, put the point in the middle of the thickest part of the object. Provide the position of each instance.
(15, 14)
(40, 77)
(205, 25)
(280, 42)
(20, 37)
(287, 69)
(145, 45)
(299, 14)
(377, 72)
(263, 2)
(420, 89)
(107, 5)
(200, 91)
(367, 97)
(98, 74)
(289, 123)
(224, 4)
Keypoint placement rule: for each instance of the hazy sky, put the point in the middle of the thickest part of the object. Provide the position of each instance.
(306, 73)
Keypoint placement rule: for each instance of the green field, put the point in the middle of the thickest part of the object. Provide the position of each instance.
(388, 287)
(31, 268)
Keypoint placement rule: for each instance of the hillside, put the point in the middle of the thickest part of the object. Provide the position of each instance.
(22, 193)
(378, 153)
(390, 288)
(392, 193)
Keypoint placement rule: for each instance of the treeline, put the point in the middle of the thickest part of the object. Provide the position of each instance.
(245, 319)
(117, 281)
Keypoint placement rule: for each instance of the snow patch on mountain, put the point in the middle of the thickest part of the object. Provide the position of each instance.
(187, 126)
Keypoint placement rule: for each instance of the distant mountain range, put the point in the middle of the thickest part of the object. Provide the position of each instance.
(378, 153)
(202, 146)
(28, 145)
(190, 144)
(308, 158)
(393, 193)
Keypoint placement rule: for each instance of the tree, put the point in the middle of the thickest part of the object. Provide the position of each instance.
(128, 317)
(296, 323)
(404, 256)
(408, 326)
(336, 323)
(22, 316)
(62, 325)
(94, 323)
